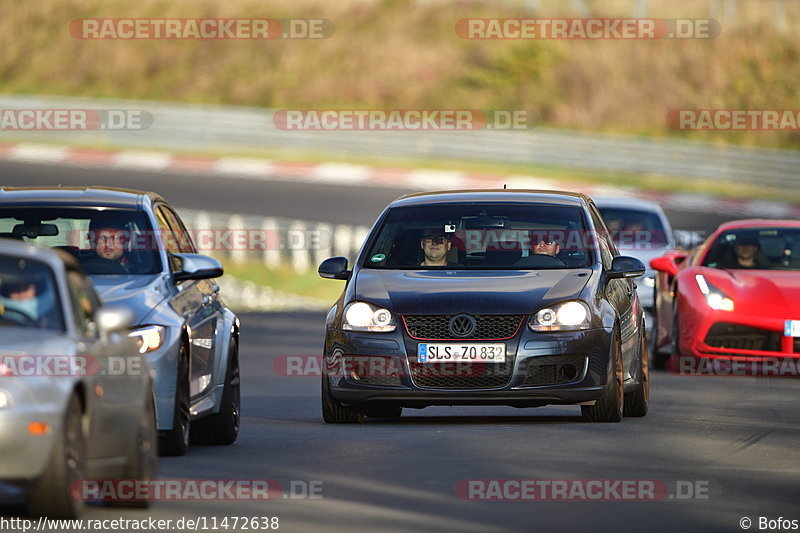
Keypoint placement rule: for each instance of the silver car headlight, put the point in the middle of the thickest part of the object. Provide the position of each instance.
(566, 316)
(5, 399)
(361, 316)
(715, 298)
(649, 280)
(148, 338)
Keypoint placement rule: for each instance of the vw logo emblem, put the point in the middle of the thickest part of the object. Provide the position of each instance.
(462, 326)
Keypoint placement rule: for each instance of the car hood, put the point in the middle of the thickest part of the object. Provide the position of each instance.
(35, 341)
(464, 291)
(139, 293)
(764, 290)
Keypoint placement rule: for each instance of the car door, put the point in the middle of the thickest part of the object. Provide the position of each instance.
(114, 375)
(197, 301)
(621, 293)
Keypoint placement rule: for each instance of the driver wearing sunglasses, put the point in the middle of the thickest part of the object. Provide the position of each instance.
(435, 244)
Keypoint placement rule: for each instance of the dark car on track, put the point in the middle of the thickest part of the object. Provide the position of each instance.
(139, 255)
(492, 297)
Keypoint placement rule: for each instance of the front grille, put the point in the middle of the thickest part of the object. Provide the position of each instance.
(554, 369)
(739, 337)
(463, 375)
(495, 327)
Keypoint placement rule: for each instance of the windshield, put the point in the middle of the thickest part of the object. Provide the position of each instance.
(108, 241)
(756, 248)
(634, 228)
(481, 236)
(28, 295)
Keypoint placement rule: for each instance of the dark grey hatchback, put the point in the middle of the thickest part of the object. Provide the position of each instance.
(486, 297)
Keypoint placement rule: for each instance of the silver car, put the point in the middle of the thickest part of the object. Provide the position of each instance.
(76, 399)
(641, 230)
(139, 255)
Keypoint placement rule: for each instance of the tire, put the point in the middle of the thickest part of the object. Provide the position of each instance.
(143, 457)
(676, 331)
(175, 441)
(636, 401)
(610, 406)
(222, 428)
(383, 411)
(334, 412)
(52, 496)
(658, 358)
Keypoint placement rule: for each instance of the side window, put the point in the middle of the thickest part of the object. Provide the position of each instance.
(604, 242)
(168, 238)
(185, 243)
(83, 302)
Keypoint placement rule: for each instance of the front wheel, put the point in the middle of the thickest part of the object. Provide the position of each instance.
(223, 426)
(175, 441)
(636, 401)
(143, 457)
(609, 407)
(334, 412)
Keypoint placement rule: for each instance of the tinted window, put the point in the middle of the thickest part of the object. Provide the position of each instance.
(108, 241)
(481, 236)
(28, 295)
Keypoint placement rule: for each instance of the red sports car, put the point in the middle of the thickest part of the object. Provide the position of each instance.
(735, 297)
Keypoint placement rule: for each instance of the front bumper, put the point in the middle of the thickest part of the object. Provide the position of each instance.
(737, 336)
(24, 456)
(541, 369)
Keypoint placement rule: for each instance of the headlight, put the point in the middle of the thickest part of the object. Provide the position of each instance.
(649, 281)
(715, 298)
(5, 399)
(567, 316)
(360, 316)
(148, 338)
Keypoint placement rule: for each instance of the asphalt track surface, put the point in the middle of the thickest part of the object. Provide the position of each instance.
(733, 440)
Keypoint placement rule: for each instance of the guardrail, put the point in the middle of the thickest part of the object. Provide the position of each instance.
(184, 127)
(274, 241)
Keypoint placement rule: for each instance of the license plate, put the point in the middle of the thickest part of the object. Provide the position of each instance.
(791, 328)
(472, 353)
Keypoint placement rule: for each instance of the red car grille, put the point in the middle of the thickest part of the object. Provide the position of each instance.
(739, 337)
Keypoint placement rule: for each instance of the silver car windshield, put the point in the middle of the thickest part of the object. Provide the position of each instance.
(28, 295)
(105, 241)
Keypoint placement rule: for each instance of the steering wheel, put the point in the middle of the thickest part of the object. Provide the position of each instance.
(24, 318)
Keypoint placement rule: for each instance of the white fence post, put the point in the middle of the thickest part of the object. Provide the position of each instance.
(273, 243)
(236, 225)
(297, 243)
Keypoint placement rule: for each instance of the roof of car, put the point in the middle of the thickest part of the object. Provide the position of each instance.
(91, 196)
(492, 195)
(629, 202)
(758, 223)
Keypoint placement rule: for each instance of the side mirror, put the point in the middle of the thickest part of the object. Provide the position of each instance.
(625, 267)
(113, 319)
(197, 266)
(334, 268)
(665, 263)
